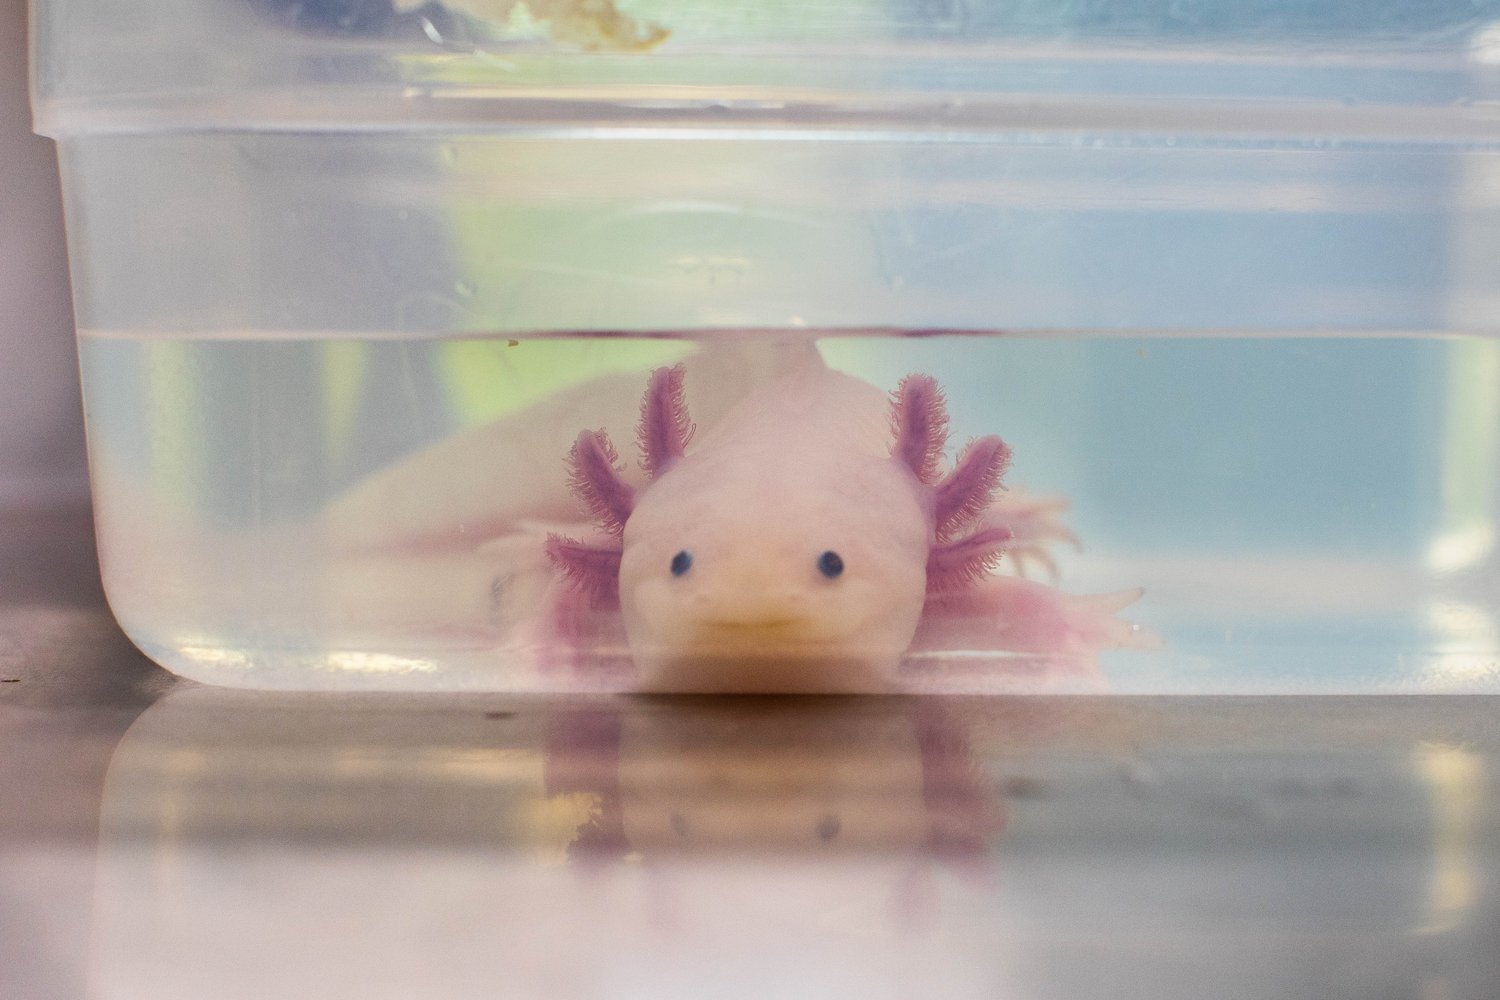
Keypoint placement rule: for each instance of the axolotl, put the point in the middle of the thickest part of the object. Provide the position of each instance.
(812, 539)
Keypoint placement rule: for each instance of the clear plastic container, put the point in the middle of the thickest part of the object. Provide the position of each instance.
(351, 279)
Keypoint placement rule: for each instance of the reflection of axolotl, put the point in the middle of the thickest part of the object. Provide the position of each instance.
(810, 539)
(890, 789)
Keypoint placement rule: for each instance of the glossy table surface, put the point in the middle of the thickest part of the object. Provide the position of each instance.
(163, 839)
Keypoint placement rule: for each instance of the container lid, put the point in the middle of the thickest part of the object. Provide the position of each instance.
(1359, 70)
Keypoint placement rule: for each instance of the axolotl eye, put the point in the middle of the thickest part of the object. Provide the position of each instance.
(830, 564)
(682, 562)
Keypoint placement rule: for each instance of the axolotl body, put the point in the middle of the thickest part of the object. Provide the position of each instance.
(811, 539)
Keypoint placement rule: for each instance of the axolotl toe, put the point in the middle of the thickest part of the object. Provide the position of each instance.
(802, 541)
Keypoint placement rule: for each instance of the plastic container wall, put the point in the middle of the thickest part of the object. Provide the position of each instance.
(351, 278)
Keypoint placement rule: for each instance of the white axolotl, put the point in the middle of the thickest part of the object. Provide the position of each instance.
(811, 540)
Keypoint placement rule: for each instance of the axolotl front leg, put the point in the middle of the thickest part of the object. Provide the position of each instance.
(1013, 615)
(978, 528)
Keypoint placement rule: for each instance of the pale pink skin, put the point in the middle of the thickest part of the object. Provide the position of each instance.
(813, 462)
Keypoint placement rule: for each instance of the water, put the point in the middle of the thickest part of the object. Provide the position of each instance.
(1305, 513)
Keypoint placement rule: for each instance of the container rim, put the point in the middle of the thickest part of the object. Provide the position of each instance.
(781, 114)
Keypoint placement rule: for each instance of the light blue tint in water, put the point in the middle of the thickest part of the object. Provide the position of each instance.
(1305, 513)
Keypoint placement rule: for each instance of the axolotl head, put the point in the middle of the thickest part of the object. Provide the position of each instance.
(787, 558)
(764, 571)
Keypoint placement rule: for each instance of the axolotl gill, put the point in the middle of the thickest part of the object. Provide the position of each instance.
(812, 538)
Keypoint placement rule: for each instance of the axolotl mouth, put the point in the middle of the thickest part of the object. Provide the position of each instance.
(769, 626)
(727, 663)
(762, 653)
(765, 635)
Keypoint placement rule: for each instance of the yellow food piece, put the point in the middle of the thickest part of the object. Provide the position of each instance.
(592, 25)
